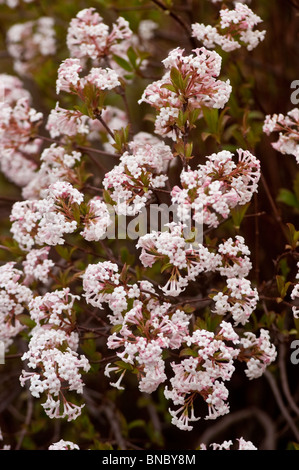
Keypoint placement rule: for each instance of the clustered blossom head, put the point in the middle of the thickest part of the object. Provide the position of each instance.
(148, 328)
(238, 298)
(203, 373)
(258, 353)
(295, 295)
(96, 220)
(57, 367)
(52, 354)
(234, 29)
(19, 123)
(139, 172)
(57, 164)
(30, 43)
(45, 221)
(216, 187)
(189, 84)
(14, 298)
(70, 81)
(63, 445)
(89, 36)
(12, 89)
(184, 261)
(66, 122)
(37, 266)
(287, 126)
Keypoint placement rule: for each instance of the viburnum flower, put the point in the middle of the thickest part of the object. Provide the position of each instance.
(14, 298)
(258, 353)
(18, 126)
(188, 85)
(140, 170)
(287, 127)
(45, 221)
(216, 187)
(234, 29)
(63, 445)
(17, 167)
(30, 43)
(37, 266)
(70, 81)
(96, 220)
(180, 258)
(238, 298)
(12, 89)
(52, 355)
(295, 295)
(57, 164)
(66, 122)
(235, 258)
(88, 36)
(53, 308)
(203, 373)
(147, 329)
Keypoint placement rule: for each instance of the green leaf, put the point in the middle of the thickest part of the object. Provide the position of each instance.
(287, 197)
(122, 63)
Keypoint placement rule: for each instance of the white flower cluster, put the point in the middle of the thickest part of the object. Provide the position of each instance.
(14, 298)
(184, 261)
(41, 222)
(216, 187)
(235, 28)
(260, 353)
(52, 354)
(37, 266)
(89, 36)
(70, 81)
(14, 3)
(295, 295)
(131, 182)
(201, 88)
(56, 165)
(30, 42)
(287, 127)
(203, 373)
(63, 445)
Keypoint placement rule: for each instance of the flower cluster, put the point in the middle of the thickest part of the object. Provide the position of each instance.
(258, 353)
(287, 127)
(14, 298)
(63, 445)
(140, 170)
(53, 356)
(235, 28)
(37, 266)
(45, 221)
(89, 36)
(295, 295)
(180, 258)
(188, 85)
(30, 43)
(56, 165)
(203, 373)
(216, 187)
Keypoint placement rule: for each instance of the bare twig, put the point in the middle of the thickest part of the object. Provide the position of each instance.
(281, 405)
(284, 378)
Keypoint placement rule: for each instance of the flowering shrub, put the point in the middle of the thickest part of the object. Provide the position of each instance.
(144, 297)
